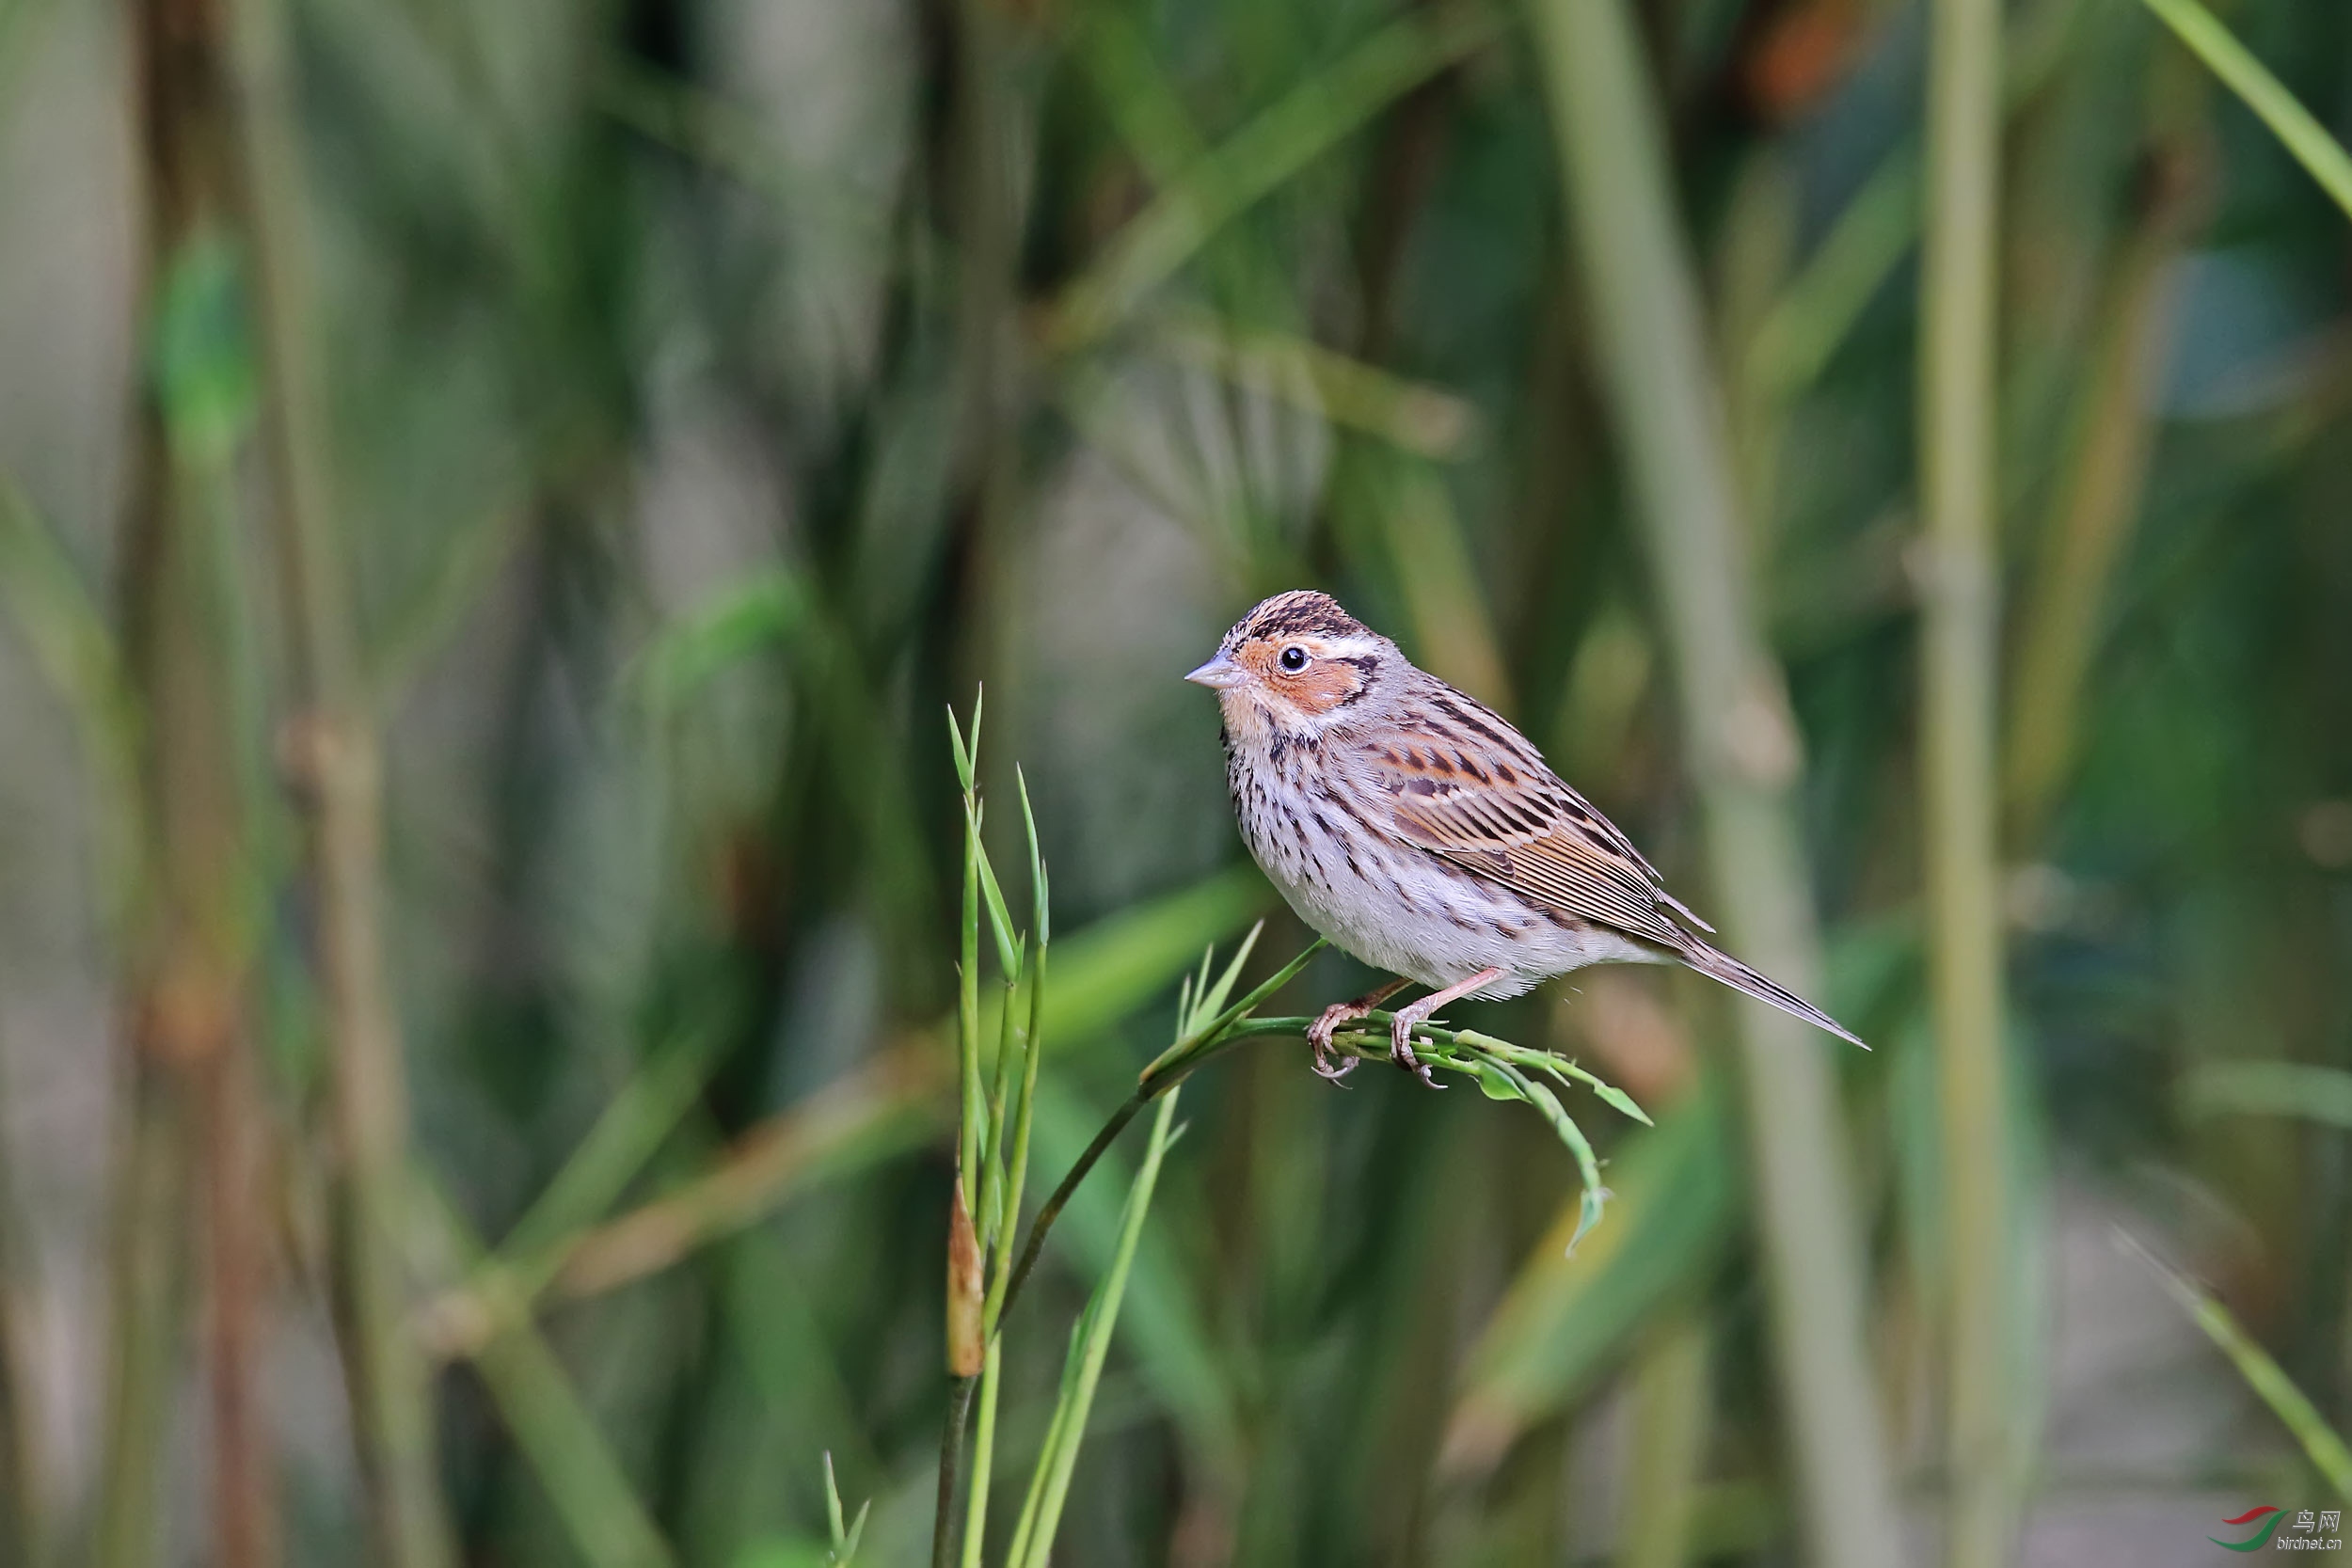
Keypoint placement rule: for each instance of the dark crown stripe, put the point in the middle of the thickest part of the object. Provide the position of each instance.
(1301, 614)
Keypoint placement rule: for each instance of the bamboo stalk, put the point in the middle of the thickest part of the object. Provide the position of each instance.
(245, 1514)
(1959, 662)
(23, 1470)
(2099, 503)
(184, 1169)
(1644, 303)
(1959, 479)
(336, 756)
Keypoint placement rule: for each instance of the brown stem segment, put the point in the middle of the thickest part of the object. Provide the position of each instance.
(950, 1465)
(337, 761)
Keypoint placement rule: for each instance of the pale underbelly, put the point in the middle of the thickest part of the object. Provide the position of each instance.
(1404, 910)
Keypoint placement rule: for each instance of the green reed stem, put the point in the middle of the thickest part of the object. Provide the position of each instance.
(2320, 1442)
(1640, 287)
(2320, 154)
(1959, 791)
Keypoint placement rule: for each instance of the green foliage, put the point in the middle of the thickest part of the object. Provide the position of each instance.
(705, 404)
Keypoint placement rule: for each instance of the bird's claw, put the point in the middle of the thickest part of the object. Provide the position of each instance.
(1401, 1053)
(1319, 1035)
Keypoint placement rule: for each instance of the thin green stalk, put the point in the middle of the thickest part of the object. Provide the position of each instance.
(1053, 1206)
(1819, 307)
(1020, 1163)
(622, 1138)
(1292, 132)
(23, 1468)
(149, 1288)
(998, 1221)
(1034, 1541)
(2306, 139)
(2066, 596)
(184, 1166)
(991, 1216)
(341, 759)
(969, 1134)
(2320, 1442)
(1642, 301)
(1959, 786)
(1463, 1051)
(1015, 1164)
(983, 1458)
(585, 1484)
(1178, 1060)
(1173, 1066)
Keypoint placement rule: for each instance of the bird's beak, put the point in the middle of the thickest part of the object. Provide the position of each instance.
(1221, 673)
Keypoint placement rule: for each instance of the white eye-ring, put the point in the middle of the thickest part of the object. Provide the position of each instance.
(1294, 659)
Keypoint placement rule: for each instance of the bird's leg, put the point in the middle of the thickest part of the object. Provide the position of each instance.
(1319, 1032)
(1410, 1019)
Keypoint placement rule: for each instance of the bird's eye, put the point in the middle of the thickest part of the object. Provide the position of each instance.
(1294, 659)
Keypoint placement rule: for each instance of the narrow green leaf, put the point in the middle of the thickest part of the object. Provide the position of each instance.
(2270, 1382)
(1565, 1321)
(999, 919)
(1615, 1097)
(1197, 1046)
(833, 1505)
(1040, 916)
(2321, 1094)
(1299, 127)
(1208, 1002)
(1493, 1080)
(963, 756)
(684, 657)
(2304, 137)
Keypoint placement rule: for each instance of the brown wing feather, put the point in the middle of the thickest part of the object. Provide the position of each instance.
(1461, 783)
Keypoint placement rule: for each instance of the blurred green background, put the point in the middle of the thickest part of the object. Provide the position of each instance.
(496, 499)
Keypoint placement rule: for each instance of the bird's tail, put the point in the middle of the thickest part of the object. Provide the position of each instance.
(1722, 966)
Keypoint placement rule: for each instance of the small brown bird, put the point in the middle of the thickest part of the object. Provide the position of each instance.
(1419, 831)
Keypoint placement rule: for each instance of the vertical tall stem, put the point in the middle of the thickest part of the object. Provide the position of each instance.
(24, 1490)
(245, 1517)
(1959, 484)
(191, 1114)
(338, 755)
(1643, 299)
(1670, 1406)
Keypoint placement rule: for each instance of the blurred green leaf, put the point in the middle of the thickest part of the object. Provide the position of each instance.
(2322, 156)
(1564, 1319)
(2320, 1442)
(777, 1551)
(68, 636)
(768, 608)
(2321, 1094)
(1261, 156)
(201, 354)
(557, 1433)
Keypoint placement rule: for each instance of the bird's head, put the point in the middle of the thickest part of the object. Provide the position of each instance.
(1293, 667)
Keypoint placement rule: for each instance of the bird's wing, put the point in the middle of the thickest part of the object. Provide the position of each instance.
(1465, 785)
